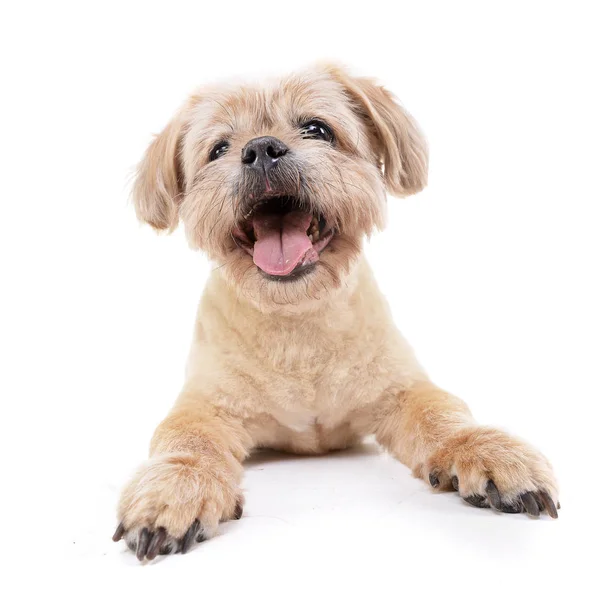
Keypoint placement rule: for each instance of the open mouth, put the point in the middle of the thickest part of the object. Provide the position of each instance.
(283, 239)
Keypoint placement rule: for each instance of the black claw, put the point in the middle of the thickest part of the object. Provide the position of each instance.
(549, 504)
(119, 532)
(530, 504)
(510, 508)
(239, 509)
(155, 545)
(538, 501)
(433, 480)
(476, 500)
(189, 536)
(494, 495)
(166, 549)
(200, 538)
(558, 505)
(455, 483)
(143, 542)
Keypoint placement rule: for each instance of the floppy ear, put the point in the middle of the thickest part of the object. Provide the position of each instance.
(401, 146)
(159, 180)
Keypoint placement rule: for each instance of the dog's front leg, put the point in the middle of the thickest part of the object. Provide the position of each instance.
(434, 434)
(190, 482)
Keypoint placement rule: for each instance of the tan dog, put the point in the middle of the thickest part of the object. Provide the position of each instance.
(294, 346)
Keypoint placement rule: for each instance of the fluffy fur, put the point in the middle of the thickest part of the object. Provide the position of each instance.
(311, 364)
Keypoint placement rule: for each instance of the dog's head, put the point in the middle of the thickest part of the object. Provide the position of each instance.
(280, 184)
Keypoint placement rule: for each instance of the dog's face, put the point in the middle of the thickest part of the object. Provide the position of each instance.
(280, 184)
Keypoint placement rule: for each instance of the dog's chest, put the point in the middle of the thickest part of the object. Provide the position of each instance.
(304, 428)
(304, 401)
(298, 420)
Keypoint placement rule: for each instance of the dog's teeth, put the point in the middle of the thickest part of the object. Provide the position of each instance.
(310, 237)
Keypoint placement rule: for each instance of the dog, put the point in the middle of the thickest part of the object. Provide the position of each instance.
(294, 346)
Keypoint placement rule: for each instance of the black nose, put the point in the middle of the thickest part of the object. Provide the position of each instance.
(263, 152)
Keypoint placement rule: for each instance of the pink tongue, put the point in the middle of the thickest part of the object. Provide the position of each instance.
(281, 242)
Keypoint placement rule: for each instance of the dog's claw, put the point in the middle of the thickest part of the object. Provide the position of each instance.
(511, 508)
(189, 537)
(549, 504)
(156, 543)
(434, 480)
(493, 494)
(119, 532)
(538, 501)
(530, 504)
(476, 500)
(144, 540)
(148, 543)
(239, 509)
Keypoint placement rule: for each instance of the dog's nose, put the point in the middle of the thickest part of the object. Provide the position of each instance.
(263, 152)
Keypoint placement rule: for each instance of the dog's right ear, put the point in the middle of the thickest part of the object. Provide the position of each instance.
(159, 181)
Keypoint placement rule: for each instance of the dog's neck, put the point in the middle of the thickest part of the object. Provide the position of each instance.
(342, 317)
(327, 306)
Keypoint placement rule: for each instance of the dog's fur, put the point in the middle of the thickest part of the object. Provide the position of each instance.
(311, 364)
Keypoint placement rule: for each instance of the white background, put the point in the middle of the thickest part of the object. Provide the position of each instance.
(492, 274)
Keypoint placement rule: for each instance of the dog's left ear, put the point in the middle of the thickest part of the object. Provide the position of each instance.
(401, 146)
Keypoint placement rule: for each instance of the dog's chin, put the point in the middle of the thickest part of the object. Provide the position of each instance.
(284, 238)
(304, 289)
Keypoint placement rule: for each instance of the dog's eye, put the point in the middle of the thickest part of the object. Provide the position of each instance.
(316, 130)
(218, 150)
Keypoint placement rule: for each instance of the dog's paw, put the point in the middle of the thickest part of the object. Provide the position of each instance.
(173, 501)
(488, 467)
